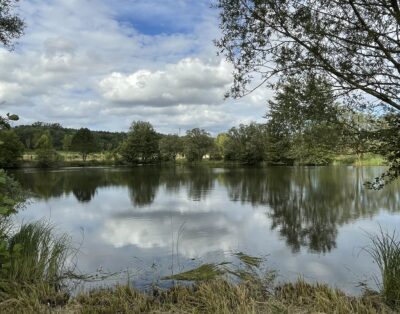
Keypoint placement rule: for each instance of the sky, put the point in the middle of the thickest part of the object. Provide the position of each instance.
(102, 64)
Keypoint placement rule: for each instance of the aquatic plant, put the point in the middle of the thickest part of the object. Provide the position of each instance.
(385, 250)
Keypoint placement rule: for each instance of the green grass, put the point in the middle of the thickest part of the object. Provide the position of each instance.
(33, 267)
(354, 160)
(37, 255)
(72, 156)
(385, 250)
(203, 272)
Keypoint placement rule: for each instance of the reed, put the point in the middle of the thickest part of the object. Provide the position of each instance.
(385, 250)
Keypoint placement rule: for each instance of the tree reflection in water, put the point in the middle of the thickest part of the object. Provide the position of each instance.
(306, 205)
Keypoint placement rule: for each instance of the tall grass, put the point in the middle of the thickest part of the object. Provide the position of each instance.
(385, 250)
(36, 254)
(33, 268)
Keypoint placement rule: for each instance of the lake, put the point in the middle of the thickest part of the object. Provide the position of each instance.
(151, 221)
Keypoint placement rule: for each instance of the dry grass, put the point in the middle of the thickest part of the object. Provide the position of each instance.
(214, 296)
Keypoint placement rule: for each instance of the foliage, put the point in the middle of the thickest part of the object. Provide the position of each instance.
(340, 39)
(170, 146)
(197, 144)
(84, 142)
(388, 145)
(218, 152)
(316, 145)
(29, 134)
(11, 25)
(11, 149)
(357, 130)
(35, 255)
(305, 116)
(11, 195)
(141, 144)
(67, 142)
(385, 250)
(247, 143)
(5, 121)
(46, 154)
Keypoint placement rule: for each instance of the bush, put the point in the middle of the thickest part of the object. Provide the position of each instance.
(47, 157)
(11, 149)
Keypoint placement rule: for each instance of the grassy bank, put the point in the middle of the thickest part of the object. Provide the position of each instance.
(74, 159)
(354, 160)
(213, 296)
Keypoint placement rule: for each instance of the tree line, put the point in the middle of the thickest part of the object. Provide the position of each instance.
(304, 124)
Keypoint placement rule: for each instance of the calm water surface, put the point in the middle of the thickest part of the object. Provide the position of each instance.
(151, 221)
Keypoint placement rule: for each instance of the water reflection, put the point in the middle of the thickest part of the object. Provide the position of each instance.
(304, 205)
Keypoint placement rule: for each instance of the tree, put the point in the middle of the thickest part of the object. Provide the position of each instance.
(246, 143)
(218, 152)
(12, 196)
(388, 144)
(11, 149)
(46, 154)
(354, 43)
(141, 144)
(84, 142)
(197, 144)
(170, 146)
(11, 25)
(5, 121)
(358, 133)
(67, 142)
(305, 116)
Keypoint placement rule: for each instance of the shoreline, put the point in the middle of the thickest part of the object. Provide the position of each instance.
(375, 161)
(211, 296)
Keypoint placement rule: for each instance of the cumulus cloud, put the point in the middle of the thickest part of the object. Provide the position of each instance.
(105, 65)
(190, 81)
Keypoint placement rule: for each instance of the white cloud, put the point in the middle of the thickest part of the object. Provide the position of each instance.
(162, 68)
(190, 81)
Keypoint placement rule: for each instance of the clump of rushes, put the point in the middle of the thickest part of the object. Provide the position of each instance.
(36, 255)
(33, 266)
(385, 250)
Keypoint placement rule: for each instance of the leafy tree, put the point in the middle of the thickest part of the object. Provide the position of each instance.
(305, 116)
(354, 44)
(141, 144)
(197, 144)
(341, 39)
(388, 145)
(11, 25)
(29, 135)
(84, 142)
(12, 196)
(218, 151)
(246, 143)
(358, 132)
(170, 146)
(67, 142)
(315, 145)
(11, 148)
(46, 154)
(5, 121)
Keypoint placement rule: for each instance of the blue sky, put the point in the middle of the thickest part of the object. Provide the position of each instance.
(103, 64)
